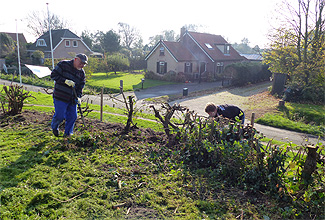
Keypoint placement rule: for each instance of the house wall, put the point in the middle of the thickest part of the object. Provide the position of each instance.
(192, 46)
(172, 64)
(155, 57)
(68, 52)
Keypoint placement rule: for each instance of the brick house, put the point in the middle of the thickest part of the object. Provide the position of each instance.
(197, 55)
(65, 45)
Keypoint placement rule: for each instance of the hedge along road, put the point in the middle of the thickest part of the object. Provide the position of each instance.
(251, 99)
(241, 97)
(247, 98)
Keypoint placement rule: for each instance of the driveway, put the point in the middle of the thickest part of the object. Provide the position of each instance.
(231, 96)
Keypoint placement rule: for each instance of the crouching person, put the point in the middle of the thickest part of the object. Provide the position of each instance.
(226, 110)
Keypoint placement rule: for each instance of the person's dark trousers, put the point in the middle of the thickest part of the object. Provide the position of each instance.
(243, 119)
(67, 111)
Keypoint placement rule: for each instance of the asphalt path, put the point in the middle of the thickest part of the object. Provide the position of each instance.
(194, 103)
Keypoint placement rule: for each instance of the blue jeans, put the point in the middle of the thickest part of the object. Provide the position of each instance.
(67, 111)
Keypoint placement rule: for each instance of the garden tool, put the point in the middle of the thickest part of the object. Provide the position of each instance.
(79, 106)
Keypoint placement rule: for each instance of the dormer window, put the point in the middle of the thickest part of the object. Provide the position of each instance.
(67, 43)
(162, 51)
(41, 43)
(227, 49)
(224, 48)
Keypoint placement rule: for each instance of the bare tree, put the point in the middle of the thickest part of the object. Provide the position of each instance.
(192, 27)
(167, 35)
(129, 35)
(305, 21)
(38, 23)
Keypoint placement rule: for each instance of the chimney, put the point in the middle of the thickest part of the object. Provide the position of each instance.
(183, 30)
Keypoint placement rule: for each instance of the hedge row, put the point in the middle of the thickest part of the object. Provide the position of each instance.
(245, 73)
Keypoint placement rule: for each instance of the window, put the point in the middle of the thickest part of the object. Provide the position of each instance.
(75, 43)
(188, 67)
(67, 43)
(41, 43)
(161, 67)
(227, 49)
(162, 51)
(224, 48)
(209, 46)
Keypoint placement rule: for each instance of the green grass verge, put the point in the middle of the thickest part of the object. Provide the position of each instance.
(111, 82)
(313, 114)
(305, 118)
(141, 123)
(279, 121)
(42, 102)
(45, 82)
(107, 117)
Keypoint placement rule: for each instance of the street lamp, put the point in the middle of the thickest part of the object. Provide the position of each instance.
(19, 68)
(48, 14)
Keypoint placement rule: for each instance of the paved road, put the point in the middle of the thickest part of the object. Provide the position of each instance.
(197, 104)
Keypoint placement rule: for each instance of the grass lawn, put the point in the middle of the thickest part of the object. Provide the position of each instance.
(105, 176)
(44, 102)
(111, 81)
(305, 118)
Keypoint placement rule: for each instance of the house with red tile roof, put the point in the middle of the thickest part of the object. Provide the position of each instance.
(197, 55)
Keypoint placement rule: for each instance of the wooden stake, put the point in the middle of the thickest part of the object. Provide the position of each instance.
(101, 104)
(253, 119)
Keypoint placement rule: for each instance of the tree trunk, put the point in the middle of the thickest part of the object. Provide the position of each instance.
(310, 163)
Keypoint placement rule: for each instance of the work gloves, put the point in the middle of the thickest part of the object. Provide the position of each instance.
(69, 82)
(72, 84)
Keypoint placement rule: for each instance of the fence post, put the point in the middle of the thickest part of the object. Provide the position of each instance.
(253, 119)
(101, 104)
(281, 103)
(121, 86)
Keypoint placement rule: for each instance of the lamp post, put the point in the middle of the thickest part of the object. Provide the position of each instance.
(19, 68)
(50, 35)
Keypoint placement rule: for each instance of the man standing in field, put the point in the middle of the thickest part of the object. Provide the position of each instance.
(68, 76)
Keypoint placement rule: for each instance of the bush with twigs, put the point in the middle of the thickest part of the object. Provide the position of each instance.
(12, 99)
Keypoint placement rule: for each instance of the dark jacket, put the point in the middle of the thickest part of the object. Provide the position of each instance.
(230, 111)
(65, 70)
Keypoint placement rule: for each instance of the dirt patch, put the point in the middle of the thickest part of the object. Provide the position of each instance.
(142, 213)
(261, 104)
(36, 118)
